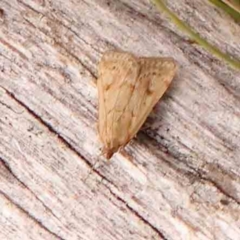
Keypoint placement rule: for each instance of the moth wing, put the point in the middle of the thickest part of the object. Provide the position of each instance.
(155, 76)
(118, 74)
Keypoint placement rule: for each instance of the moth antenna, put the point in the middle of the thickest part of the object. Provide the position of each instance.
(93, 167)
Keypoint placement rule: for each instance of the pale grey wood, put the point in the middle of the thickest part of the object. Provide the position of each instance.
(179, 179)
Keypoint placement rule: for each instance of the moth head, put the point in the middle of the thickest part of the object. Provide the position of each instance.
(108, 152)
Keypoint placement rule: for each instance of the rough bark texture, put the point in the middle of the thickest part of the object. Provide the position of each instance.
(178, 179)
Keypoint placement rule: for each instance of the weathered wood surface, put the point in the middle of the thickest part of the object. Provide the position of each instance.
(179, 179)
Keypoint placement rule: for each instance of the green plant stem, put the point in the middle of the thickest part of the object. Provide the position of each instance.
(230, 11)
(235, 63)
(234, 4)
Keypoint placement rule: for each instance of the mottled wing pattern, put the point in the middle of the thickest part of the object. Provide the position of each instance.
(118, 74)
(129, 87)
(155, 76)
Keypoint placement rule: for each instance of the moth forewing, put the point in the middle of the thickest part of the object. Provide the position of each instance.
(154, 79)
(117, 77)
(128, 87)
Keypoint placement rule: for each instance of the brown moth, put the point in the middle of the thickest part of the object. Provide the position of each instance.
(128, 88)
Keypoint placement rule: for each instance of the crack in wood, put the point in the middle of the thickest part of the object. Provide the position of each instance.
(155, 229)
(63, 141)
(58, 43)
(39, 223)
(8, 107)
(14, 49)
(7, 166)
(197, 174)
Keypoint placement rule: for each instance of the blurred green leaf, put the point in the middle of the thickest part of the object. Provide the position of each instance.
(225, 6)
(234, 4)
(195, 37)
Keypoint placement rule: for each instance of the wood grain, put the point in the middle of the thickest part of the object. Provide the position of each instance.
(178, 179)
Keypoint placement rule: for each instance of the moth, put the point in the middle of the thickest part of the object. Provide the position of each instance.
(128, 89)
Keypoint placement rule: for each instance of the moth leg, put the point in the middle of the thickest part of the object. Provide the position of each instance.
(146, 126)
(150, 126)
(92, 169)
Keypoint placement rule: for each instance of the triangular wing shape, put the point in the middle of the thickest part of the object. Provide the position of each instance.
(128, 88)
(118, 72)
(155, 76)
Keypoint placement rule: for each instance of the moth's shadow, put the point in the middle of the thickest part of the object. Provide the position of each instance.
(154, 120)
